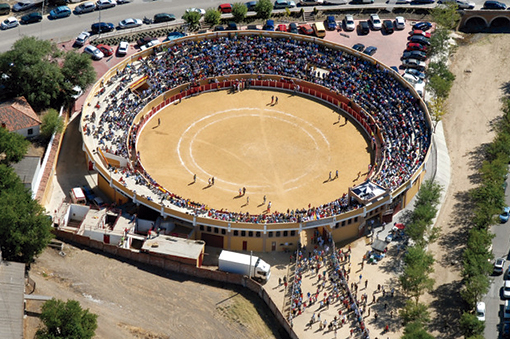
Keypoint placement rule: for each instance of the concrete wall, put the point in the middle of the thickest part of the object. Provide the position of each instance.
(168, 264)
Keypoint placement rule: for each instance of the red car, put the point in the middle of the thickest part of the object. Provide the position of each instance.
(306, 29)
(107, 50)
(225, 8)
(412, 46)
(282, 28)
(418, 32)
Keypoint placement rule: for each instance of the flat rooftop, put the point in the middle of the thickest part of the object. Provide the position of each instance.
(12, 292)
(177, 247)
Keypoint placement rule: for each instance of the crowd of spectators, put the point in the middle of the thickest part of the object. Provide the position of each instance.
(332, 269)
(396, 112)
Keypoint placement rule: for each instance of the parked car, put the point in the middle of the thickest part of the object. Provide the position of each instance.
(388, 26)
(363, 27)
(330, 23)
(462, 4)
(5, 9)
(293, 28)
(503, 217)
(420, 39)
(412, 46)
(348, 23)
(506, 289)
(218, 28)
(163, 17)
(86, 7)
(319, 29)
(94, 52)
(232, 26)
(253, 27)
(123, 48)
(103, 4)
(403, 2)
(60, 12)
(282, 28)
(489, 4)
(10, 22)
(23, 6)
(499, 266)
(423, 26)
(480, 310)
(198, 10)
(251, 5)
(370, 50)
(174, 35)
(424, 1)
(400, 22)
(225, 8)
(269, 25)
(415, 72)
(31, 18)
(358, 47)
(102, 27)
(306, 29)
(413, 63)
(144, 40)
(418, 55)
(375, 21)
(107, 50)
(130, 23)
(82, 38)
(420, 32)
(279, 4)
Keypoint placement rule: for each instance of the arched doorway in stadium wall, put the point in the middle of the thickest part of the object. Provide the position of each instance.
(212, 240)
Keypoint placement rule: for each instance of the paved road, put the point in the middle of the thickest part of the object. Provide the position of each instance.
(493, 300)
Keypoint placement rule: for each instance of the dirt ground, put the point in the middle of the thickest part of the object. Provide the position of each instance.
(474, 104)
(284, 151)
(133, 301)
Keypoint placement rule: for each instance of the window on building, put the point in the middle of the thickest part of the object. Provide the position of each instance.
(243, 233)
(236, 233)
(216, 230)
(343, 223)
(201, 227)
(285, 233)
(356, 219)
(278, 234)
(257, 234)
(209, 229)
(349, 221)
(30, 131)
(250, 233)
(270, 234)
(223, 231)
(292, 233)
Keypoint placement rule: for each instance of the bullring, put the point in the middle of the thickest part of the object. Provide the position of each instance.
(393, 117)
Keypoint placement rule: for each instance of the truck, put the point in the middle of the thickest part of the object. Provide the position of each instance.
(244, 264)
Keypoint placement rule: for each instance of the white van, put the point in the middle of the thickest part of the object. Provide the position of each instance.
(77, 196)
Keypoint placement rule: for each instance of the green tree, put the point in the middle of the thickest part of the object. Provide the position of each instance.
(66, 320)
(437, 109)
(78, 71)
(192, 19)
(32, 69)
(415, 330)
(239, 11)
(51, 123)
(446, 15)
(13, 146)
(415, 279)
(470, 325)
(474, 288)
(25, 229)
(212, 16)
(439, 44)
(413, 312)
(264, 8)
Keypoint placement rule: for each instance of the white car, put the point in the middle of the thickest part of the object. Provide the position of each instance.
(349, 24)
(130, 23)
(480, 311)
(375, 21)
(418, 84)
(10, 22)
(82, 38)
(102, 4)
(150, 44)
(506, 289)
(94, 52)
(198, 10)
(400, 22)
(499, 265)
(123, 48)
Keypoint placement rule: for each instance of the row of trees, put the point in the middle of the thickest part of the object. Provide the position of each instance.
(212, 16)
(416, 280)
(488, 199)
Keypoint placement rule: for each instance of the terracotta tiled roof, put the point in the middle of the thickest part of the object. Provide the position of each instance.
(17, 114)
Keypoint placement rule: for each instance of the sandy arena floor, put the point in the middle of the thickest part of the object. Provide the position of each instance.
(284, 151)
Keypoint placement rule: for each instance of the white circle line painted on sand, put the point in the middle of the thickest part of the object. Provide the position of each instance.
(193, 138)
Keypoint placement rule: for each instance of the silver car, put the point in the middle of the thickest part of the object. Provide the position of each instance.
(85, 7)
(94, 52)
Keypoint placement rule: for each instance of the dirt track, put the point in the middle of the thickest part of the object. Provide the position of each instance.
(284, 151)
